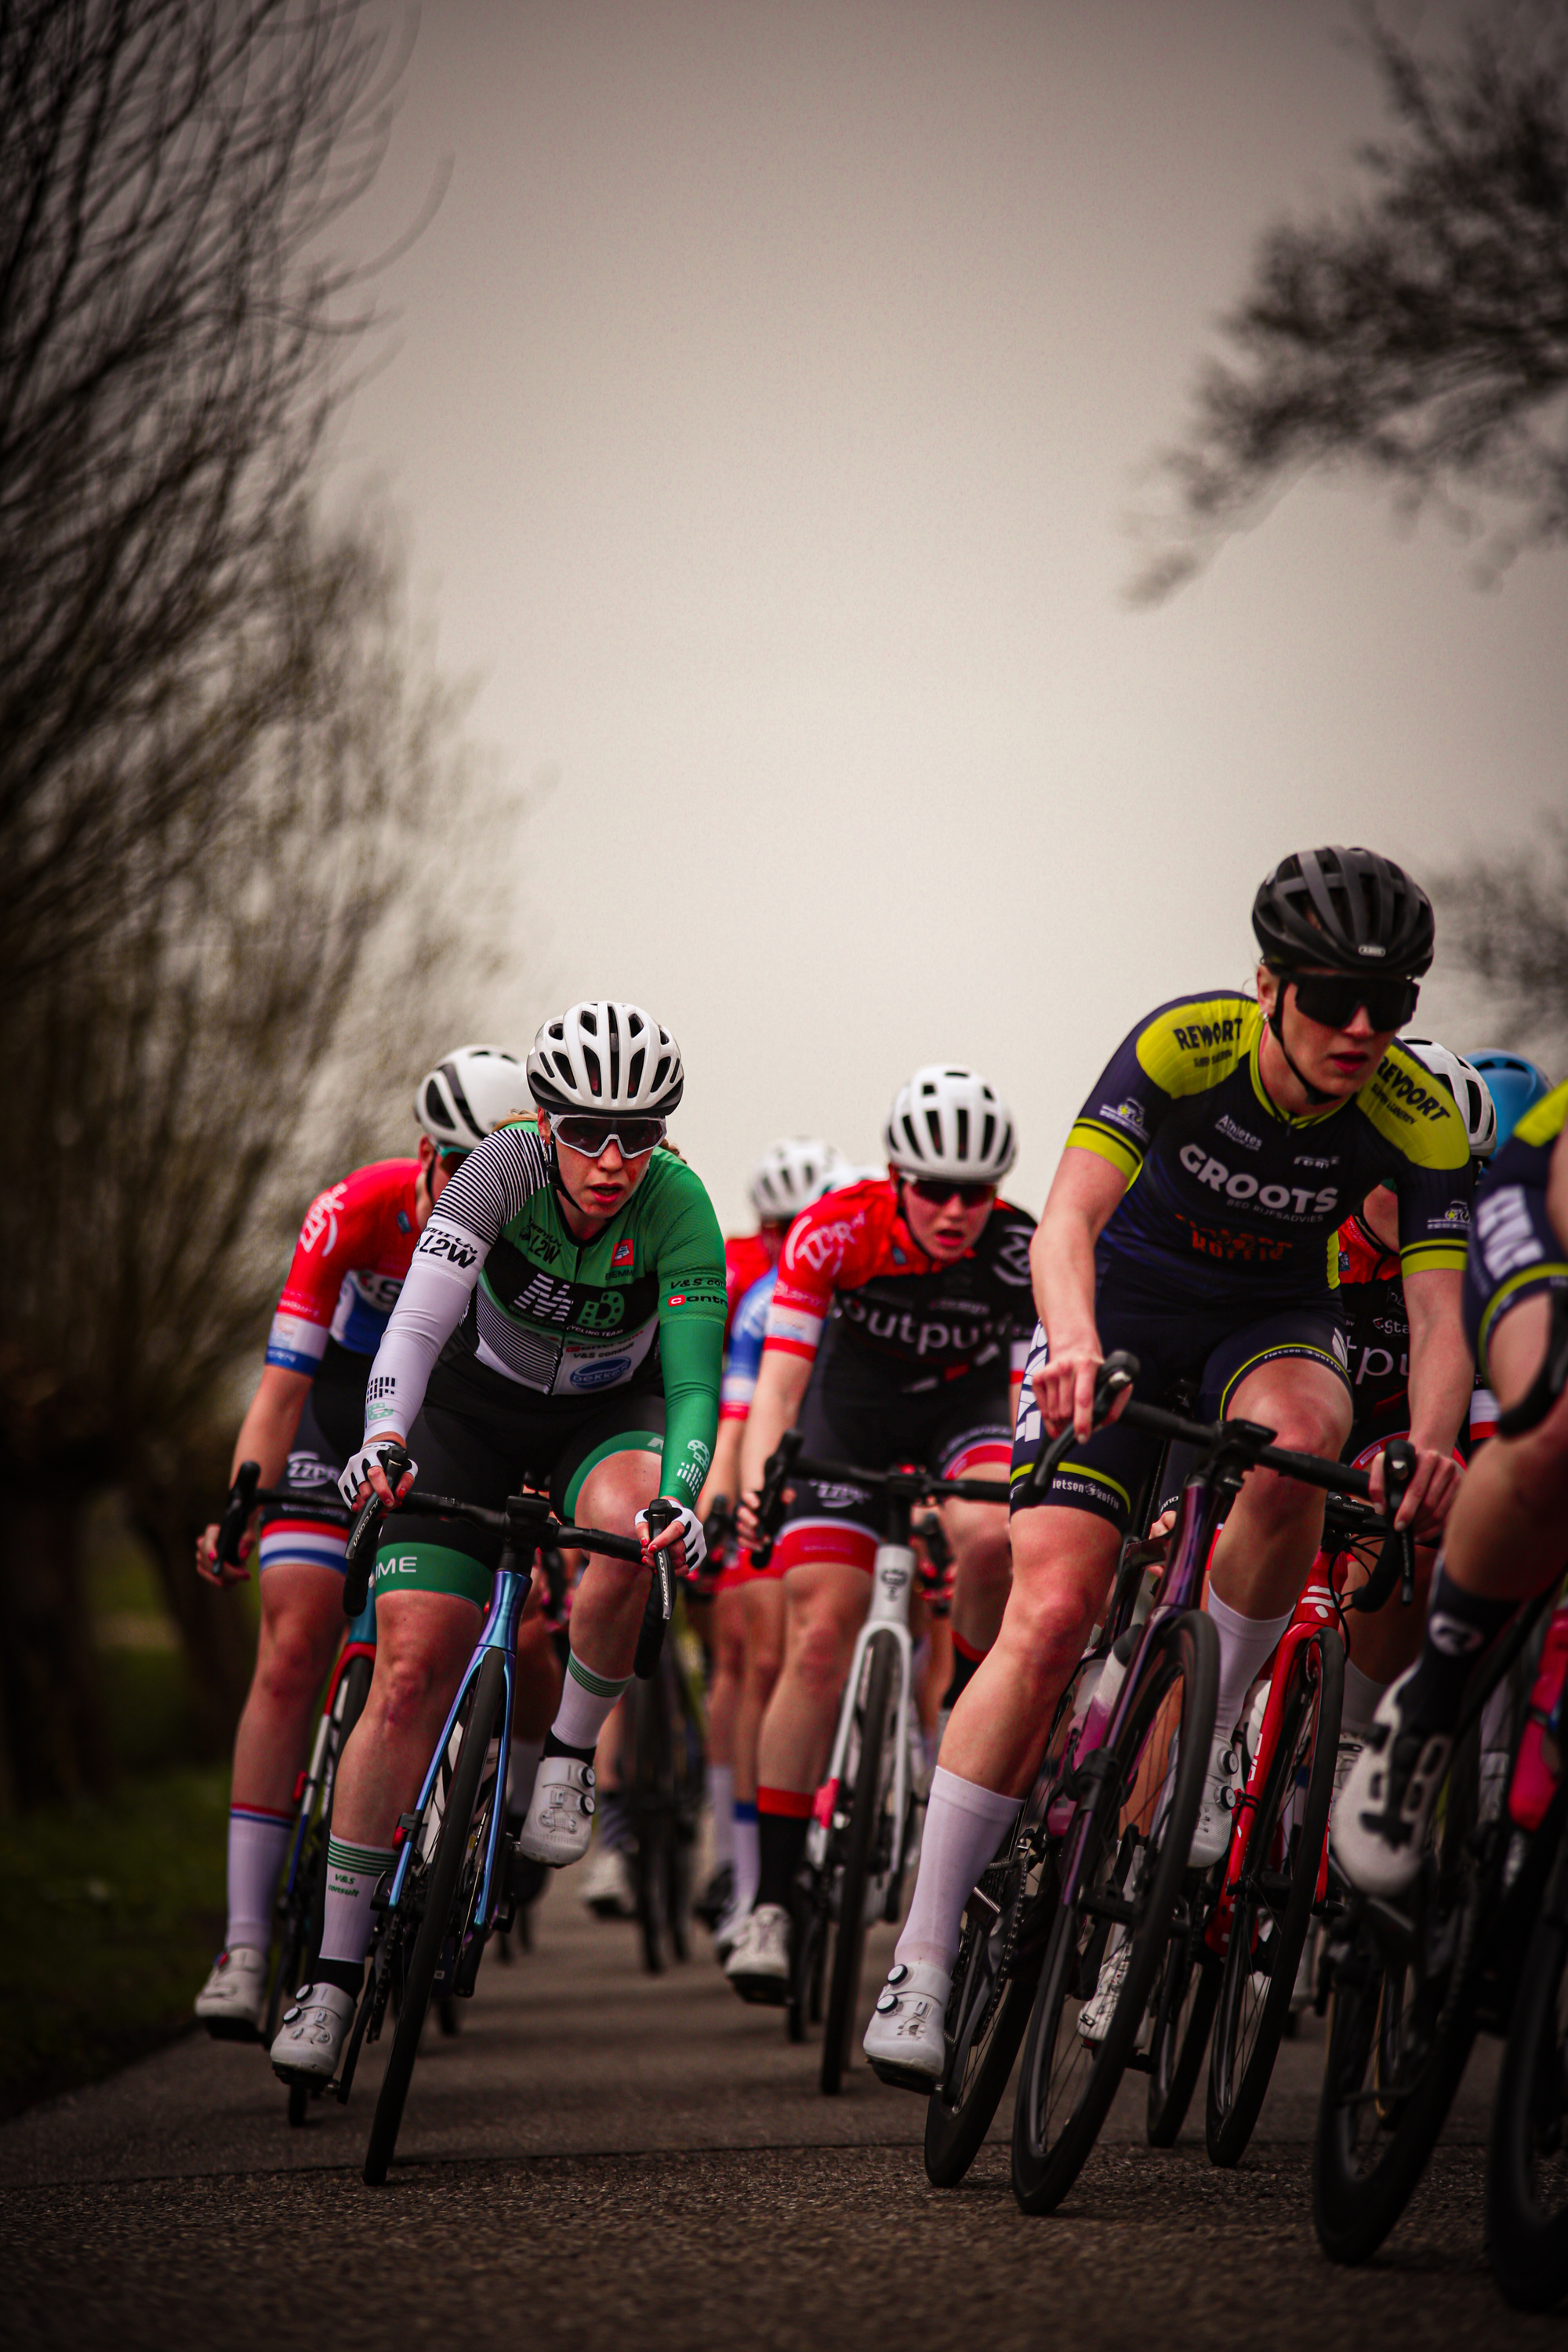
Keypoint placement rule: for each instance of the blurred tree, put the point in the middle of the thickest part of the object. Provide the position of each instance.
(170, 348)
(180, 1089)
(1505, 921)
(1420, 334)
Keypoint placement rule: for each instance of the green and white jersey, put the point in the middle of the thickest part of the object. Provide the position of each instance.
(499, 1278)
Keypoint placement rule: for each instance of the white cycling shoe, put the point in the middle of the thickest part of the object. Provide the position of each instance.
(233, 2002)
(728, 1926)
(1094, 2018)
(1385, 1810)
(310, 2038)
(905, 2040)
(1222, 1784)
(606, 1885)
(560, 1816)
(758, 1965)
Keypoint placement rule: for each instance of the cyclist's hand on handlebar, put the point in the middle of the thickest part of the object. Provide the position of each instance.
(1429, 1498)
(1064, 1387)
(683, 1538)
(364, 1475)
(221, 1572)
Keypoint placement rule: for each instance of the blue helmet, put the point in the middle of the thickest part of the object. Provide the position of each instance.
(1513, 1083)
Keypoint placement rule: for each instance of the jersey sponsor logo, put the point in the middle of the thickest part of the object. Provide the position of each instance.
(602, 1375)
(1127, 1113)
(601, 1313)
(1012, 1257)
(1415, 1098)
(1197, 1034)
(1507, 1237)
(449, 1245)
(928, 1337)
(690, 1476)
(837, 1497)
(821, 1244)
(381, 1389)
(1296, 1200)
(321, 1220)
(306, 1468)
(676, 1298)
(1377, 1364)
(1230, 1127)
(379, 1291)
(1311, 1160)
(624, 1251)
(404, 1563)
(543, 1299)
(1224, 1242)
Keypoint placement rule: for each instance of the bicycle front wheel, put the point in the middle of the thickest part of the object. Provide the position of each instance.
(1103, 1963)
(988, 2011)
(1527, 2163)
(450, 1886)
(1274, 1899)
(869, 1803)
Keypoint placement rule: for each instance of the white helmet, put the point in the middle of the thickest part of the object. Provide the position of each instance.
(468, 1093)
(606, 1055)
(840, 1178)
(1469, 1089)
(949, 1122)
(790, 1175)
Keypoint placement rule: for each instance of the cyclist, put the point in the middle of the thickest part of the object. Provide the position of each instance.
(1250, 1125)
(900, 1317)
(790, 1174)
(1505, 1540)
(302, 1424)
(562, 1321)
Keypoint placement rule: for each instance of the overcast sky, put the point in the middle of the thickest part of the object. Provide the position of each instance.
(769, 396)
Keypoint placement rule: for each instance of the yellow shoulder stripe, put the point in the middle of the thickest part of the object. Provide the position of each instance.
(1195, 1045)
(1544, 1122)
(1415, 1111)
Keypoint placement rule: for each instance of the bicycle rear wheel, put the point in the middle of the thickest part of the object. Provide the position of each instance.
(1274, 1899)
(871, 1795)
(988, 2012)
(1400, 2028)
(1135, 1822)
(451, 1885)
(1527, 2161)
(305, 1903)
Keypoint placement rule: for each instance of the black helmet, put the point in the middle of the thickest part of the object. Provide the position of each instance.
(1346, 909)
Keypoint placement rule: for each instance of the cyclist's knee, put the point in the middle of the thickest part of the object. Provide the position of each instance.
(291, 1657)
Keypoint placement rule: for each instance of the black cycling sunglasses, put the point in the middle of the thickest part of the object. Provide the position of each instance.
(936, 1192)
(581, 1132)
(1332, 998)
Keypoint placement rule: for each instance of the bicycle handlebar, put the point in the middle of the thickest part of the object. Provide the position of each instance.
(916, 1486)
(660, 1595)
(247, 1495)
(1550, 1381)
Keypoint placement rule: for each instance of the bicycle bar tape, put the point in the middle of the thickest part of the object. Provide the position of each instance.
(660, 1597)
(1117, 1372)
(241, 1501)
(359, 1556)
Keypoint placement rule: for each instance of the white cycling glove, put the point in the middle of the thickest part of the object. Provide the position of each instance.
(691, 1534)
(357, 1472)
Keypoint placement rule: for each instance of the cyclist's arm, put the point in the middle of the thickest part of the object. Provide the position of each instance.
(775, 1407)
(1082, 1200)
(690, 1258)
(1557, 1189)
(265, 1435)
(1442, 1377)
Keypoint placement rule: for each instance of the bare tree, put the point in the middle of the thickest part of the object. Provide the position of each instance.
(164, 1085)
(1420, 332)
(1505, 921)
(170, 339)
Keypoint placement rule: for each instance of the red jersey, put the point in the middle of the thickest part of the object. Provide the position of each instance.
(747, 1257)
(348, 1263)
(894, 1311)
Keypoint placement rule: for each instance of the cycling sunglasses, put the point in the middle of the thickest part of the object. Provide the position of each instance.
(581, 1132)
(936, 1193)
(1332, 998)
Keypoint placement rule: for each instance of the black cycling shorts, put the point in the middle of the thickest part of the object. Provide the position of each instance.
(331, 1428)
(1214, 1348)
(954, 1431)
(492, 1448)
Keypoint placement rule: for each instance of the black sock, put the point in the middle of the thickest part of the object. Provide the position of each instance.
(554, 1747)
(1460, 1625)
(781, 1843)
(347, 1975)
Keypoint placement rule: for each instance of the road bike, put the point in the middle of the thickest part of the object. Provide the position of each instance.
(663, 1786)
(449, 1888)
(864, 1833)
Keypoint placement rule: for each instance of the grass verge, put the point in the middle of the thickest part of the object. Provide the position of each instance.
(110, 1914)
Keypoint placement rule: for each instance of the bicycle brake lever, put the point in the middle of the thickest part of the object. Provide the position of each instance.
(358, 1554)
(1115, 1376)
(241, 1502)
(660, 1595)
(1398, 1469)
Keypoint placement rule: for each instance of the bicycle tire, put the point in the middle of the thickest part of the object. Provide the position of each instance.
(650, 1803)
(298, 2104)
(986, 2018)
(1052, 2135)
(1242, 2061)
(1381, 2026)
(880, 1666)
(1526, 2220)
(486, 1721)
(1189, 1992)
(808, 1932)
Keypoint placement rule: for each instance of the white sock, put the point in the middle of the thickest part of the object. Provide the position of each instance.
(587, 1702)
(964, 1825)
(721, 1805)
(521, 1766)
(1244, 1645)
(748, 1853)
(353, 1871)
(257, 1842)
(1361, 1695)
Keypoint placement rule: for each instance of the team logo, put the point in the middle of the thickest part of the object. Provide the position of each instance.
(603, 1375)
(623, 1253)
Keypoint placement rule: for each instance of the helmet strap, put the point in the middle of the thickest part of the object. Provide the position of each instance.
(1314, 1095)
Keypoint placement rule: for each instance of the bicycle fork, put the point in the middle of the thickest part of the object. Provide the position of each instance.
(892, 1583)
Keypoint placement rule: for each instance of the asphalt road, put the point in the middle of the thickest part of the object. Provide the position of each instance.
(604, 2159)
